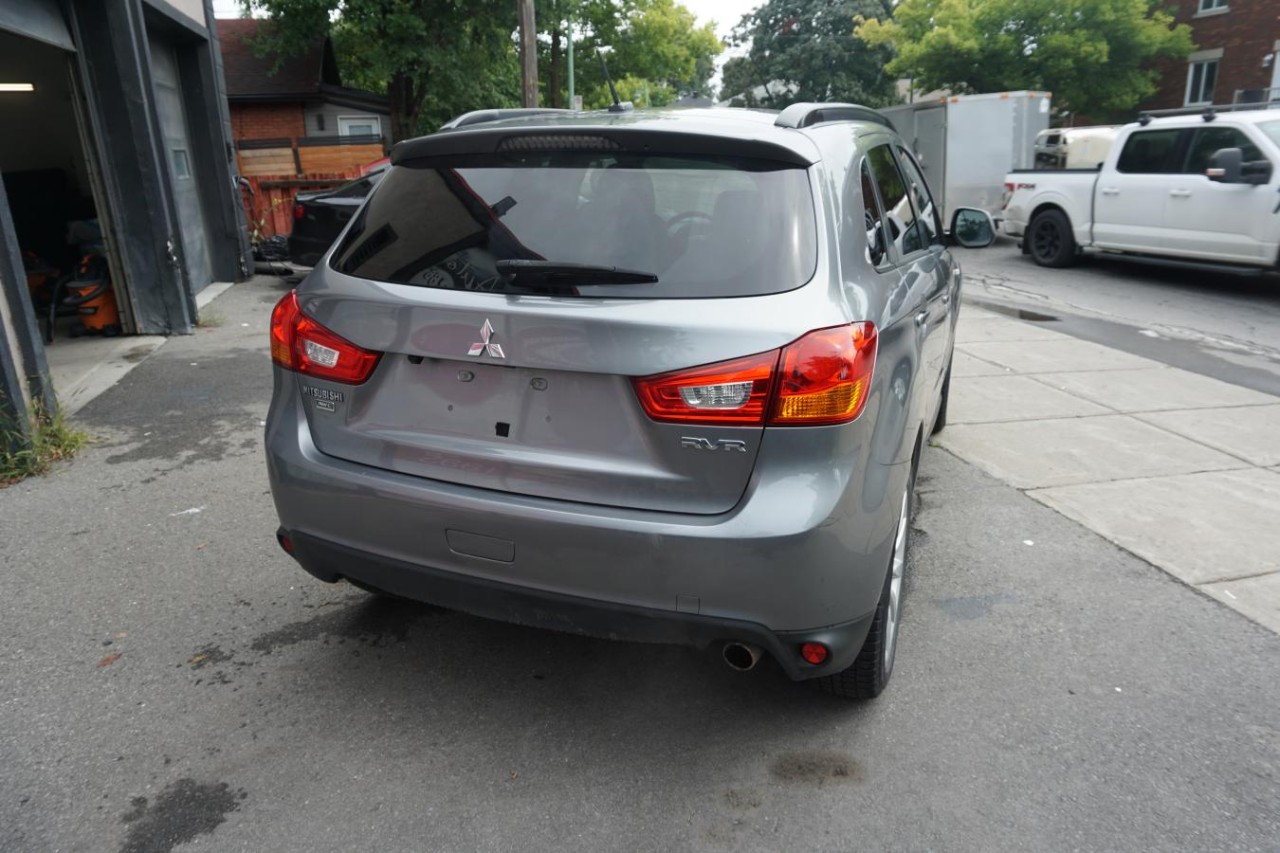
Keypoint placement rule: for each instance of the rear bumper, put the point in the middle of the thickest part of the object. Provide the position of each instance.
(801, 558)
(330, 562)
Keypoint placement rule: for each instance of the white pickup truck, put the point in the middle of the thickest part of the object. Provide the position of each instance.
(1196, 190)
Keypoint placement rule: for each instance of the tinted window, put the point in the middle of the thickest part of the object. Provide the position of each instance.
(1210, 139)
(928, 228)
(706, 227)
(1149, 152)
(893, 193)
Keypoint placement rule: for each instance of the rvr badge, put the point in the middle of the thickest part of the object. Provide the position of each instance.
(727, 444)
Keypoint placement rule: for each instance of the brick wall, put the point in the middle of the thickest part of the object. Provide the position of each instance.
(1246, 33)
(267, 121)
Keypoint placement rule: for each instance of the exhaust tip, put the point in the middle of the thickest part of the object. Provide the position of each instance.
(741, 656)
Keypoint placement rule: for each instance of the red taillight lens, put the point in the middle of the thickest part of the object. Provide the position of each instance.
(728, 392)
(822, 378)
(299, 211)
(1008, 194)
(303, 345)
(825, 377)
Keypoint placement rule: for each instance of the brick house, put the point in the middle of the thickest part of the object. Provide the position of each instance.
(1236, 59)
(301, 106)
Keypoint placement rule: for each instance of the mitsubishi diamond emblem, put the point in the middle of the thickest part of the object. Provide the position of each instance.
(486, 343)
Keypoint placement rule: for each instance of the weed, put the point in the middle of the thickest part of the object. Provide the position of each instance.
(52, 439)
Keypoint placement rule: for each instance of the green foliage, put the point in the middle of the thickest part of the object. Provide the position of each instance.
(1092, 54)
(433, 58)
(654, 44)
(806, 50)
(52, 439)
(637, 90)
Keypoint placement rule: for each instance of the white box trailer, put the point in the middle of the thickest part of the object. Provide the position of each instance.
(966, 144)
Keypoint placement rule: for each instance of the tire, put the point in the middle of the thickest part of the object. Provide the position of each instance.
(868, 675)
(1050, 238)
(940, 422)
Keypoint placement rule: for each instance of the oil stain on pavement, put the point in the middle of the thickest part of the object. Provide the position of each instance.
(183, 810)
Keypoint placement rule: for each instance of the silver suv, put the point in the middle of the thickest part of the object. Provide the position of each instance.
(657, 376)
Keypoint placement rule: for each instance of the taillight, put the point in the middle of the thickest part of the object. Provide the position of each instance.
(821, 378)
(1008, 194)
(301, 344)
(824, 377)
(299, 211)
(729, 392)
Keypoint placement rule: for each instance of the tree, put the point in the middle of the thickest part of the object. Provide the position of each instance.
(806, 50)
(433, 58)
(1092, 54)
(655, 45)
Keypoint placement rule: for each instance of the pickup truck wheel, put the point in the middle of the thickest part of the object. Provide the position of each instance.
(1052, 244)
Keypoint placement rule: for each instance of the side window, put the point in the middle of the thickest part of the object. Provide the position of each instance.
(1210, 139)
(898, 213)
(873, 222)
(1151, 152)
(928, 228)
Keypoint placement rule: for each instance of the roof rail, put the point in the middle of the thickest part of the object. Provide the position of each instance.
(481, 116)
(1206, 111)
(807, 115)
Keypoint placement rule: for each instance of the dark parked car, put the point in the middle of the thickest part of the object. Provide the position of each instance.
(657, 376)
(319, 217)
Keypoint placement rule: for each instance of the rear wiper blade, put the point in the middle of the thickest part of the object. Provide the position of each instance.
(559, 272)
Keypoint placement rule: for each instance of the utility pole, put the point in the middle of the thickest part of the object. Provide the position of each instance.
(572, 105)
(528, 52)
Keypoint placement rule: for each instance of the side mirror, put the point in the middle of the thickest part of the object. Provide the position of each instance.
(973, 228)
(1225, 166)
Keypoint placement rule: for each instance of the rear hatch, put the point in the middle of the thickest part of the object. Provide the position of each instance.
(505, 369)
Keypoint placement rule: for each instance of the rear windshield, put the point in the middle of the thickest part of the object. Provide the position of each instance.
(705, 227)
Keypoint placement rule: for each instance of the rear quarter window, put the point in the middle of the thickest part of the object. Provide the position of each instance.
(706, 227)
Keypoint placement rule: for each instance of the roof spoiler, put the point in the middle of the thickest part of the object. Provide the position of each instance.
(807, 115)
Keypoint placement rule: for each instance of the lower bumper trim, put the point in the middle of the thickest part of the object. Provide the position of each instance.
(330, 562)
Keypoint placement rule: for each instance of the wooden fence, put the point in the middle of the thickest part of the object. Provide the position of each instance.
(276, 170)
(269, 200)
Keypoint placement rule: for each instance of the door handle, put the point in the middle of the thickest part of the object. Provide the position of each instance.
(922, 318)
(1180, 193)
(1110, 191)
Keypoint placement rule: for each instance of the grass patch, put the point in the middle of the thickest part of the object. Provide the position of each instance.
(54, 439)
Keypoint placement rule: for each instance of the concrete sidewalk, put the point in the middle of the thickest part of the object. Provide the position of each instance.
(1180, 469)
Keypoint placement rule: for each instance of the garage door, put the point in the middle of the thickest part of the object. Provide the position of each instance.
(182, 163)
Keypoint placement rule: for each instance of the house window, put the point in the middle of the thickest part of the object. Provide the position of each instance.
(359, 126)
(1200, 79)
(1207, 6)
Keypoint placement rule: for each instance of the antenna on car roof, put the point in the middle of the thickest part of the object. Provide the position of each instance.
(618, 105)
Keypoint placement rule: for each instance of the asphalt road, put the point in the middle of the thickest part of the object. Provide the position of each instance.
(1226, 326)
(170, 679)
